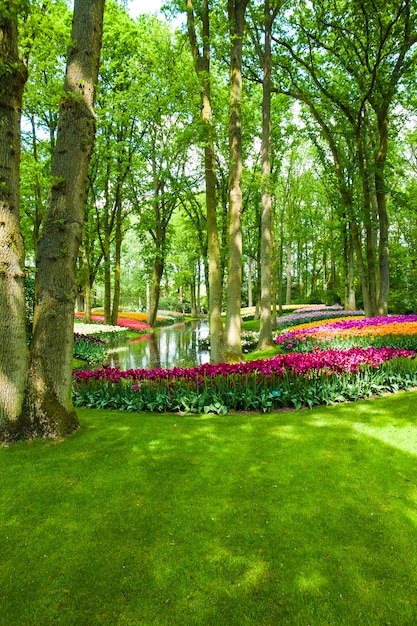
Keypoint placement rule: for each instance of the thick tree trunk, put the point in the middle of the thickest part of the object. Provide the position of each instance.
(13, 349)
(236, 11)
(48, 409)
(265, 329)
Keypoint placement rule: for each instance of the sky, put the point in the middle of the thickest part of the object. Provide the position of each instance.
(135, 7)
(143, 6)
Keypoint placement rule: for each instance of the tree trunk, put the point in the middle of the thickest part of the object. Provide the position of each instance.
(48, 409)
(281, 260)
(202, 65)
(384, 277)
(117, 267)
(87, 301)
(236, 11)
(265, 329)
(107, 272)
(274, 287)
(370, 220)
(86, 285)
(250, 281)
(349, 271)
(193, 297)
(13, 349)
(158, 270)
(38, 213)
(288, 276)
(367, 303)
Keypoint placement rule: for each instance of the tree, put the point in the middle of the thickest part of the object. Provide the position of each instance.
(202, 67)
(118, 109)
(236, 14)
(265, 57)
(347, 63)
(13, 351)
(48, 409)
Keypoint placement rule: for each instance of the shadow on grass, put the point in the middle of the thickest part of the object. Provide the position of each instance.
(307, 517)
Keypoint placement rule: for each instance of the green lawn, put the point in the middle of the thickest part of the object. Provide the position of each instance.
(295, 518)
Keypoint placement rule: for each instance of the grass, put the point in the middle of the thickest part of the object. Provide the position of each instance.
(292, 518)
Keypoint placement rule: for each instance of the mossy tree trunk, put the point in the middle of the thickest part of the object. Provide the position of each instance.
(48, 409)
(13, 350)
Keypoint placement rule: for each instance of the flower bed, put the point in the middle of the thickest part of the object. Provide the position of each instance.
(323, 376)
(301, 316)
(126, 322)
(398, 331)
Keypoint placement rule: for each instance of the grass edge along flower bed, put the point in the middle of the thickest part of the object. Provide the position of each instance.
(287, 380)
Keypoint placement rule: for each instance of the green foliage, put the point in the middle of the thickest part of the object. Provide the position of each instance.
(89, 350)
(29, 301)
(11, 9)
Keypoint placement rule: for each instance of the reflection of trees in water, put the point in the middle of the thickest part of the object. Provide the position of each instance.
(154, 353)
(168, 347)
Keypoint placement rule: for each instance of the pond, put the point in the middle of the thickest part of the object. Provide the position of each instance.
(172, 346)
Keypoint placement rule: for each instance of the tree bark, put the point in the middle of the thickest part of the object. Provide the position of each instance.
(13, 349)
(158, 270)
(384, 277)
(202, 66)
(107, 271)
(86, 284)
(349, 271)
(117, 266)
(48, 409)
(265, 329)
(236, 11)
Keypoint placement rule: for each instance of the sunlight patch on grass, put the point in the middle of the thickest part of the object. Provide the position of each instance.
(255, 574)
(154, 444)
(402, 437)
(286, 431)
(311, 582)
(247, 428)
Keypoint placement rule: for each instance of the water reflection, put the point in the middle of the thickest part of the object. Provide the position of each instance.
(174, 346)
